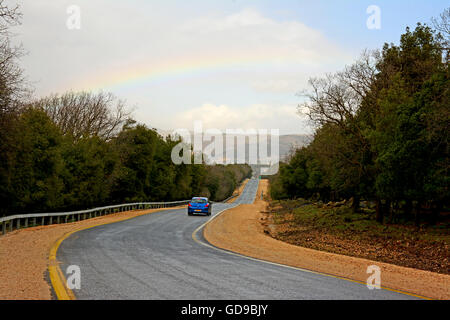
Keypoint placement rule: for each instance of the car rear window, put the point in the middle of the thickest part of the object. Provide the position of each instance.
(199, 201)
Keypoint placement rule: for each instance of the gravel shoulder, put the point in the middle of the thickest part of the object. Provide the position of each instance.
(24, 255)
(241, 229)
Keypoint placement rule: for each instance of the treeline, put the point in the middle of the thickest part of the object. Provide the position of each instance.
(44, 169)
(382, 130)
(81, 150)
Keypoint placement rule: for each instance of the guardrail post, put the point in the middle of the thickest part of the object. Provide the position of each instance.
(11, 222)
(43, 221)
(18, 224)
(51, 220)
(26, 222)
(34, 222)
(4, 227)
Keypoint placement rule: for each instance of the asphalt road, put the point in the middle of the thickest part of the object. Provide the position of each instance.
(155, 257)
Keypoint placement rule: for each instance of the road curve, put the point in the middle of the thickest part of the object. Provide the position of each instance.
(155, 257)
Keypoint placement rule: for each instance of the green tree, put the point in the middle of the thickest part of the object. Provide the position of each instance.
(88, 172)
(38, 163)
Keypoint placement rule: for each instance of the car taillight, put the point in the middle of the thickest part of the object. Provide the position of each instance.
(190, 205)
(207, 205)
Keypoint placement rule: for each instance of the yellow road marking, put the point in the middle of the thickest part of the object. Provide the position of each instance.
(194, 237)
(57, 278)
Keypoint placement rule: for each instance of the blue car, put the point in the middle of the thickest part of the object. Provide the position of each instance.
(199, 205)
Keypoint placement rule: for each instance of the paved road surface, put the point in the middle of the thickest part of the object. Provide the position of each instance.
(155, 257)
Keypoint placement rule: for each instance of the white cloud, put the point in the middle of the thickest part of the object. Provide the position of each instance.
(240, 59)
(250, 34)
(243, 18)
(257, 116)
(278, 83)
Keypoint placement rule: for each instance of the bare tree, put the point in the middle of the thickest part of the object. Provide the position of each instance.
(85, 114)
(337, 97)
(12, 83)
(442, 24)
(334, 105)
(9, 16)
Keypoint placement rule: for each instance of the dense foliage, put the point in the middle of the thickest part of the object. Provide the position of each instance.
(47, 170)
(382, 131)
(80, 149)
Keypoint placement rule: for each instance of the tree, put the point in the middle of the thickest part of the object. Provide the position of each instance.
(12, 91)
(136, 147)
(414, 79)
(12, 83)
(340, 102)
(442, 25)
(382, 129)
(35, 182)
(84, 114)
(89, 165)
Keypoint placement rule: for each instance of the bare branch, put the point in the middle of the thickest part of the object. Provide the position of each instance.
(86, 114)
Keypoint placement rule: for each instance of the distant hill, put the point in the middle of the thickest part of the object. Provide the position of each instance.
(286, 142)
(293, 141)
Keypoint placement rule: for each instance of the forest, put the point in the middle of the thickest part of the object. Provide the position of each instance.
(381, 131)
(78, 150)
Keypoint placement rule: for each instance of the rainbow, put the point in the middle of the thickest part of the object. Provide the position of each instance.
(149, 75)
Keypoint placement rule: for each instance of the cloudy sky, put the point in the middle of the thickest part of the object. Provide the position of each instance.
(230, 63)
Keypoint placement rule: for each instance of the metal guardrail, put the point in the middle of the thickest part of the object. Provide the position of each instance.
(10, 223)
(41, 219)
(229, 198)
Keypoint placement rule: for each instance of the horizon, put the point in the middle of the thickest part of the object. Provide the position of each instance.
(231, 64)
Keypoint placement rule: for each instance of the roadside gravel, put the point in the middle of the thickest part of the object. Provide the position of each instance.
(241, 229)
(24, 256)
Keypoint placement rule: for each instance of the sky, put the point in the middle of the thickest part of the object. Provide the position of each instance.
(229, 63)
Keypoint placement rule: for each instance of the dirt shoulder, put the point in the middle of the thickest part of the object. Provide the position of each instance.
(24, 256)
(242, 229)
(340, 230)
